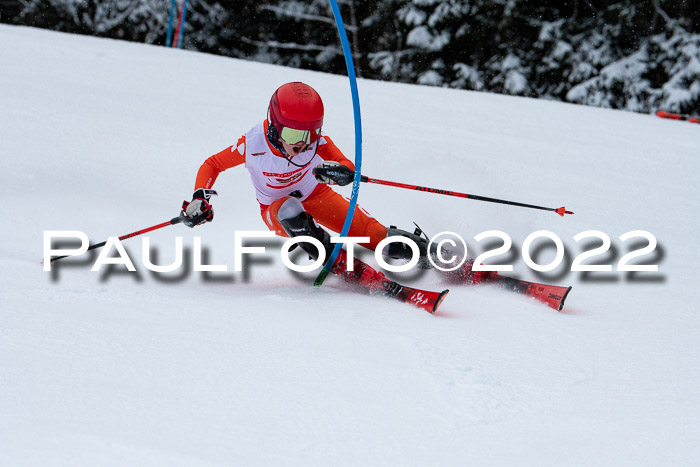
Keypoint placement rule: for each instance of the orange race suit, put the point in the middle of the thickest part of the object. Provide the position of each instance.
(276, 180)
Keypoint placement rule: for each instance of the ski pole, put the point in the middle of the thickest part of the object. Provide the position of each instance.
(672, 116)
(561, 211)
(173, 221)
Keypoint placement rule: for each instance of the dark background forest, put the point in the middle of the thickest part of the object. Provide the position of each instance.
(633, 55)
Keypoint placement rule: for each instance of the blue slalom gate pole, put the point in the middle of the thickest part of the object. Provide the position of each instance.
(358, 142)
(169, 37)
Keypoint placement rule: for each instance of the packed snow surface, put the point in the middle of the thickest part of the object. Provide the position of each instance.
(260, 368)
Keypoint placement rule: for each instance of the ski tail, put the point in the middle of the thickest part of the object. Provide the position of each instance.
(423, 299)
(551, 295)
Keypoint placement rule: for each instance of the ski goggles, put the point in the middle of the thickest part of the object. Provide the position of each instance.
(293, 136)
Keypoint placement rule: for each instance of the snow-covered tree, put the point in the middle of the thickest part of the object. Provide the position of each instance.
(663, 73)
(142, 20)
(630, 54)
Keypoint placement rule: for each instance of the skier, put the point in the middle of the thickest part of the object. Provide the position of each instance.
(291, 163)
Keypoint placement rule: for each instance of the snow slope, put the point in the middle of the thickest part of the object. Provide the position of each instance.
(260, 368)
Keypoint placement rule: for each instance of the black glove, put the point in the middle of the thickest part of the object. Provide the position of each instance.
(198, 211)
(332, 173)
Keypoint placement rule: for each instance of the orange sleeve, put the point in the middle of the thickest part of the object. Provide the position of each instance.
(330, 152)
(213, 166)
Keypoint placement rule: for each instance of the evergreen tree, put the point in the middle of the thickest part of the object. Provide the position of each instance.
(629, 54)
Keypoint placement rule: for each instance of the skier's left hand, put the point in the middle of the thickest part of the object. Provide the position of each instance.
(333, 173)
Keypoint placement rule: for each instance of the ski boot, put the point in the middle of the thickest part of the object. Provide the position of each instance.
(301, 223)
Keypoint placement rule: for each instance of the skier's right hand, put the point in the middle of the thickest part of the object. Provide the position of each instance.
(198, 211)
(333, 173)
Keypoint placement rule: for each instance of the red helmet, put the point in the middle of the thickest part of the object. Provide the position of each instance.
(296, 105)
(295, 114)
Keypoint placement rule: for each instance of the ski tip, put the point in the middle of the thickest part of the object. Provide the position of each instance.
(563, 299)
(439, 300)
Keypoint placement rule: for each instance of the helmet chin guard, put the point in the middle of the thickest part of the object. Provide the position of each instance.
(274, 139)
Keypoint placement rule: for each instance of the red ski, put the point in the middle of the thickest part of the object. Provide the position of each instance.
(551, 295)
(375, 282)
